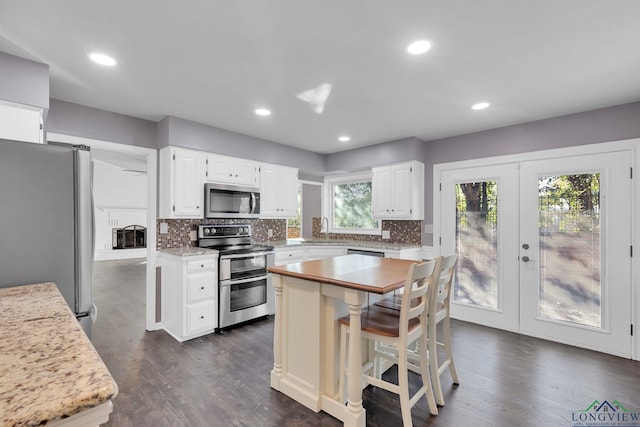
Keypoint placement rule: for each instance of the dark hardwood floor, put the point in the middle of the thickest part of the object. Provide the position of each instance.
(223, 380)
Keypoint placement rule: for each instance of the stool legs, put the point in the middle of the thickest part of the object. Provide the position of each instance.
(446, 328)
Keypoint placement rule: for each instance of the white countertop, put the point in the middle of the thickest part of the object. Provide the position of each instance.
(188, 251)
(360, 244)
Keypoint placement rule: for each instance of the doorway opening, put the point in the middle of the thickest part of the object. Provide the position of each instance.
(128, 207)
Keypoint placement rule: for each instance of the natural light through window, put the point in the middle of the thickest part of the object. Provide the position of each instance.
(349, 200)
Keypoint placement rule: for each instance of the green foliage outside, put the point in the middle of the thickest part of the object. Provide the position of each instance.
(566, 202)
(295, 222)
(352, 206)
(569, 203)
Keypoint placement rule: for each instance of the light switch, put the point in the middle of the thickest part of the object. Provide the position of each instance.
(270, 233)
(164, 228)
(386, 234)
(428, 228)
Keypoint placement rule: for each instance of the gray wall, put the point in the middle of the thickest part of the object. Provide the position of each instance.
(375, 155)
(24, 81)
(311, 207)
(78, 120)
(590, 127)
(188, 134)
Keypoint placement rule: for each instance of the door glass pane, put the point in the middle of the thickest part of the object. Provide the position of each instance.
(476, 279)
(569, 266)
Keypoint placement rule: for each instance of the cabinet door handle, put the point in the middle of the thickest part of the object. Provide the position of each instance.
(202, 317)
(202, 288)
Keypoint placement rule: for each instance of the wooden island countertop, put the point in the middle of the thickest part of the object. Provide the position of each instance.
(361, 272)
(50, 373)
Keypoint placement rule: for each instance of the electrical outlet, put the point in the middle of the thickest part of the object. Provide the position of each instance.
(193, 235)
(270, 232)
(164, 228)
(386, 234)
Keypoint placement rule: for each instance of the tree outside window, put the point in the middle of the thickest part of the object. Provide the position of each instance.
(351, 207)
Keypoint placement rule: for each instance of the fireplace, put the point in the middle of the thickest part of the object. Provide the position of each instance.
(129, 237)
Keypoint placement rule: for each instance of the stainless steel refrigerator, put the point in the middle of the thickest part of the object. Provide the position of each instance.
(46, 220)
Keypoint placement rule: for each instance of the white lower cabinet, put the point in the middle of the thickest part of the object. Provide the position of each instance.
(315, 252)
(287, 255)
(189, 295)
(300, 253)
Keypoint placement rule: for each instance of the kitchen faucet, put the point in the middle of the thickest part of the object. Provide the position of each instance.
(326, 230)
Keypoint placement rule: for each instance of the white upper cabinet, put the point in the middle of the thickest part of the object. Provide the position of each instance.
(398, 191)
(20, 122)
(278, 191)
(182, 176)
(232, 170)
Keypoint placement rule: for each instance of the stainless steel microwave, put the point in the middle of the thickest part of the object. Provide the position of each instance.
(231, 201)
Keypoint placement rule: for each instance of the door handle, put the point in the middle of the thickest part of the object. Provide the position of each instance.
(527, 259)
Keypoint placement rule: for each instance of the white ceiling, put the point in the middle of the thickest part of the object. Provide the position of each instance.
(215, 61)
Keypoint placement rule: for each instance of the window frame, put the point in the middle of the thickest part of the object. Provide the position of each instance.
(328, 211)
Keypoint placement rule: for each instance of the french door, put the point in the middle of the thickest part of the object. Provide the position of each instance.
(478, 221)
(544, 247)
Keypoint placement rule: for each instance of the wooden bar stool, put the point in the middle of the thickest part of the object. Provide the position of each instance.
(397, 330)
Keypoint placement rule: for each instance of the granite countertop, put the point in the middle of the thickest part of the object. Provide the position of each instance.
(49, 369)
(188, 251)
(346, 243)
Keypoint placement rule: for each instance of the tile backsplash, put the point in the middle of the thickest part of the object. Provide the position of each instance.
(399, 231)
(179, 230)
(178, 235)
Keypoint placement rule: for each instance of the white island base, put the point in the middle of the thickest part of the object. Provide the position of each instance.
(309, 346)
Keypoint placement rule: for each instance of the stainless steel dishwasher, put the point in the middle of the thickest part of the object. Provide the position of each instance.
(364, 252)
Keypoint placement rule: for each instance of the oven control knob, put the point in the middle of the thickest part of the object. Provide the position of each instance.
(206, 231)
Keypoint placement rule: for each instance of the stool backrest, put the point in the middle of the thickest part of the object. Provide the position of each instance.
(421, 278)
(440, 297)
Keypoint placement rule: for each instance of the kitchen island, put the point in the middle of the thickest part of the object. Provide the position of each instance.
(50, 373)
(310, 297)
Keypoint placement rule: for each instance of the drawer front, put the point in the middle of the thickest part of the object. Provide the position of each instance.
(202, 265)
(201, 286)
(317, 253)
(286, 257)
(202, 316)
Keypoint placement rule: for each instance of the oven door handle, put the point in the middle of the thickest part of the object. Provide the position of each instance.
(247, 255)
(238, 282)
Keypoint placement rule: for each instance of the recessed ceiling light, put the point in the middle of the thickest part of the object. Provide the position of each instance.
(262, 112)
(344, 139)
(480, 106)
(418, 47)
(102, 59)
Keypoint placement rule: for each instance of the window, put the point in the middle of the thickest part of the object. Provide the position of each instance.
(294, 224)
(349, 205)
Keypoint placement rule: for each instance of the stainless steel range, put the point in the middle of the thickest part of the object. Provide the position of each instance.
(245, 291)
